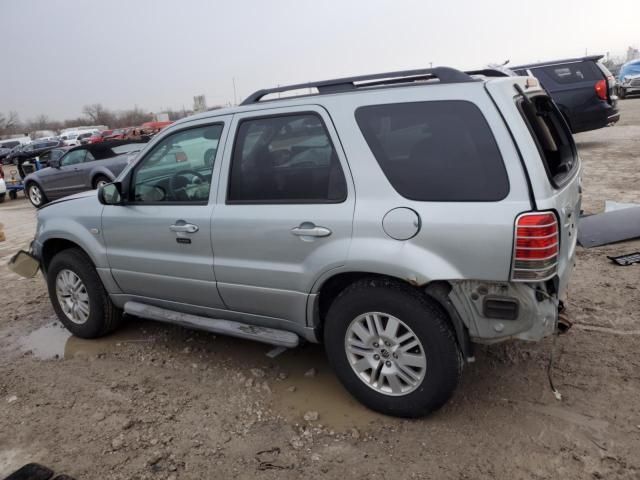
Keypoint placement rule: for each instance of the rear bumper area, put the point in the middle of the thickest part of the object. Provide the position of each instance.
(499, 311)
(597, 116)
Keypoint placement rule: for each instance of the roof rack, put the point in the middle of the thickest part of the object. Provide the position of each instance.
(442, 74)
(488, 72)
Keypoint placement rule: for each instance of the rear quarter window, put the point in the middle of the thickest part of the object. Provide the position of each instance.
(552, 137)
(440, 151)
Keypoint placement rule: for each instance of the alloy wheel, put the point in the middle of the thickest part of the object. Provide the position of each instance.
(385, 353)
(72, 296)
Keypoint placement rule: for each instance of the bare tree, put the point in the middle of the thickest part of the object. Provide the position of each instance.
(10, 123)
(132, 118)
(41, 122)
(98, 115)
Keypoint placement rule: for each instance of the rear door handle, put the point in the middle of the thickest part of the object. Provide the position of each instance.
(310, 230)
(184, 227)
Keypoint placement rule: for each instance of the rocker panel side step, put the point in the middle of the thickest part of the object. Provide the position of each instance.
(224, 327)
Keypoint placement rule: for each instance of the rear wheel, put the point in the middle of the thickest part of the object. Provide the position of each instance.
(78, 296)
(13, 194)
(392, 348)
(36, 195)
(2, 196)
(100, 181)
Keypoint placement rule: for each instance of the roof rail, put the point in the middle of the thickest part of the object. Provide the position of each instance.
(488, 72)
(442, 74)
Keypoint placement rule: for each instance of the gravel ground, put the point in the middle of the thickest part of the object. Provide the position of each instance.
(160, 402)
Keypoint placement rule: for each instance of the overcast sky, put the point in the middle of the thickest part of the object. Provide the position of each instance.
(58, 55)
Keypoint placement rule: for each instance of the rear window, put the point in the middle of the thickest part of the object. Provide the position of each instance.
(552, 137)
(441, 151)
(574, 72)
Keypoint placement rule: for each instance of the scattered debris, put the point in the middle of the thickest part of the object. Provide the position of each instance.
(276, 351)
(312, 372)
(556, 393)
(611, 206)
(296, 443)
(609, 227)
(12, 398)
(267, 459)
(626, 260)
(311, 416)
(257, 372)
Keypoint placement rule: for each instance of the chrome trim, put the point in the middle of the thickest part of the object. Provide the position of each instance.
(514, 271)
(536, 248)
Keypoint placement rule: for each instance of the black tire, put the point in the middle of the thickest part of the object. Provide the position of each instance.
(428, 322)
(622, 94)
(103, 317)
(2, 196)
(28, 193)
(13, 194)
(98, 179)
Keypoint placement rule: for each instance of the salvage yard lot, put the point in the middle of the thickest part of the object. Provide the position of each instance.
(162, 402)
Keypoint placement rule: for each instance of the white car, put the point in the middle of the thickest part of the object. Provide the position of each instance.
(3, 190)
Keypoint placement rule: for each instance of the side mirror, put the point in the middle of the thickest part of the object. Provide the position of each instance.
(110, 194)
(54, 163)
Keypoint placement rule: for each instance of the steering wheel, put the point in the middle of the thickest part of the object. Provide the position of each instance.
(178, 182)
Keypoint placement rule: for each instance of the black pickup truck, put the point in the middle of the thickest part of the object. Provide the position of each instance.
(582, 88)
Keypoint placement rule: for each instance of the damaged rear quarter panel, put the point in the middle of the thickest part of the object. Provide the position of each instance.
(536, 318)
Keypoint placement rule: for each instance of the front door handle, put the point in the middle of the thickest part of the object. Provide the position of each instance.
(310, 230)
(184, 227)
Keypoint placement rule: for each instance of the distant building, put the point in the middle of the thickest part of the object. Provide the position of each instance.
(199, 103)
(632, 54)
(161, 117)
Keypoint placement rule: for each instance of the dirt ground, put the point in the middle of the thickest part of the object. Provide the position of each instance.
(161, 402)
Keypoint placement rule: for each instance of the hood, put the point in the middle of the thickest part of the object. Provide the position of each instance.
(630, 76)
(75, 196)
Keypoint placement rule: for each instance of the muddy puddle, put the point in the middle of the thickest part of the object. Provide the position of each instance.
(300, 390)
(301, 379)
(53, 341)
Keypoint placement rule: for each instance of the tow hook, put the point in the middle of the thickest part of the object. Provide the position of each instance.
(564, 324)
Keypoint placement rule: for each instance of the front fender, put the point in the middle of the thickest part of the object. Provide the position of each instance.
(77, 221)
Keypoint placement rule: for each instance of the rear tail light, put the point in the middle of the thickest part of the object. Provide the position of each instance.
(601, 89)
(535, 247)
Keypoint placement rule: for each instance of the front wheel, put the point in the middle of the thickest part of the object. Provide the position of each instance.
(392, 348)
(100, 181)
(78, 296)
(622, 93)
(36, 195)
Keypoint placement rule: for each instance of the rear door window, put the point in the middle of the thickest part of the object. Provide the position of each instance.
(439, 151)
(552, 137)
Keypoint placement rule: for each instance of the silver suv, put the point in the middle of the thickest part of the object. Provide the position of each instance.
(398, 218)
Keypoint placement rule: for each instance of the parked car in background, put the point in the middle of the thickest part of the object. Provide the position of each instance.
(84, 137)
(4, 152)
(3, 186)
(582, 88)
(32, 150)
(53, 154)
(628, 80)
(79, 168)
(70, 139)
(100, 136)
(397, 217)
(117, 134)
